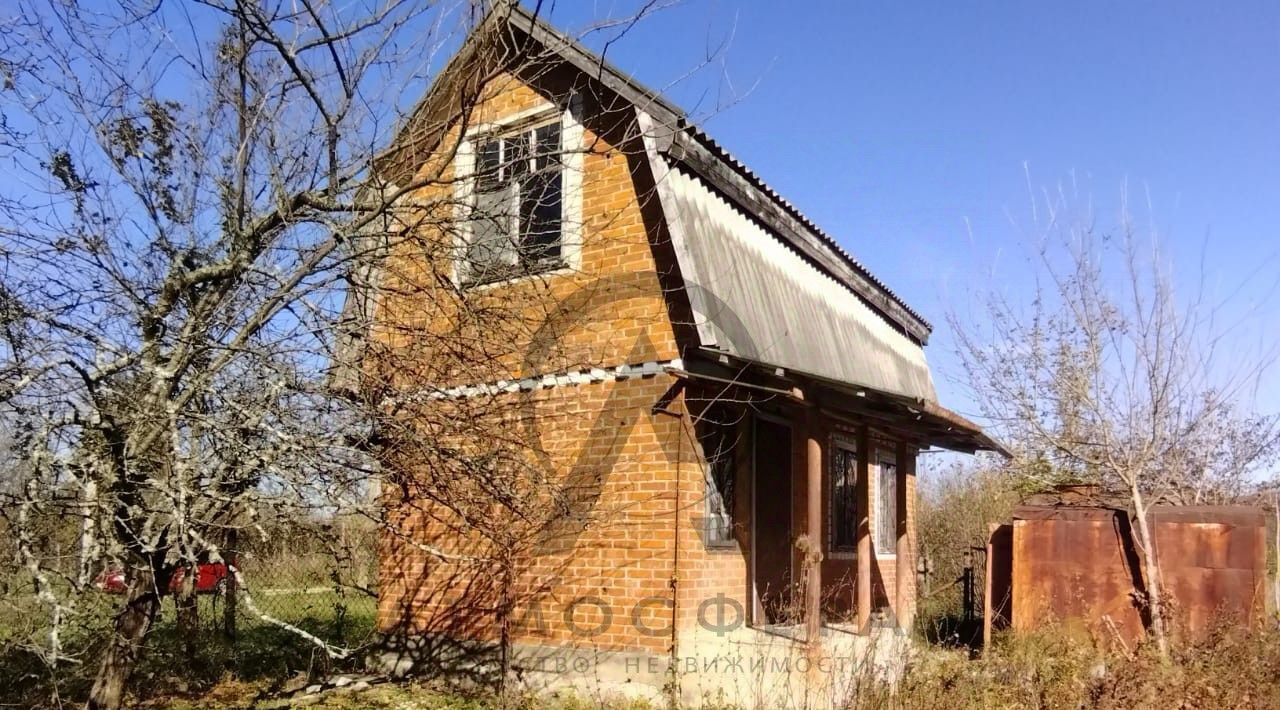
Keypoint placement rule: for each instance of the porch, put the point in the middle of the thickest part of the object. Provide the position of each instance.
(818, 496)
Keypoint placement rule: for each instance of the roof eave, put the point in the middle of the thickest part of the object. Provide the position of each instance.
(935, 425)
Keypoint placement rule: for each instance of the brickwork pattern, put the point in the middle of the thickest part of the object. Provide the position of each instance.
(615, 551)
(609, 452)
(635, 554)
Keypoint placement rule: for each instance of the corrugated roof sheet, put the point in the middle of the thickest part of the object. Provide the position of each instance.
(755, 298)
(742, 168)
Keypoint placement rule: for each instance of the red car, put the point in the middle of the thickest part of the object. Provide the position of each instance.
(211, 578)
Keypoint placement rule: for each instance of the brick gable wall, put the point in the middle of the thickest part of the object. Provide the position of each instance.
(610, 462)
(624, 558)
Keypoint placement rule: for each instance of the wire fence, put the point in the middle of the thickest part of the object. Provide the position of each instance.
(294, 605)
(309, 592)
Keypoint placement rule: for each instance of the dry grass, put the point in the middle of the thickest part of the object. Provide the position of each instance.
(1057, 669)
(397, 696)
(1051, 669)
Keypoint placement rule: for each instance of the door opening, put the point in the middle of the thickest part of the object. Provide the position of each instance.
(771, 523)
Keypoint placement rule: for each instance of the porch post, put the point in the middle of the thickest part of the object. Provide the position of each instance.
(905, 569)
(862, 492)
(813, 495)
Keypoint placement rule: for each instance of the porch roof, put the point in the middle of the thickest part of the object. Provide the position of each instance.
(911, 419)
(931, 422)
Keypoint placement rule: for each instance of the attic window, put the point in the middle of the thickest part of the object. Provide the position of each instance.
(517, 218)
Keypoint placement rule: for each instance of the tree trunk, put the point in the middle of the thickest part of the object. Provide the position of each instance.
(505, 608)
(1276, 582)
(131, 627)
(1155, 605)
(188, 617)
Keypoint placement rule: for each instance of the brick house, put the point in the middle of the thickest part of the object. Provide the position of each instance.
(735, 402)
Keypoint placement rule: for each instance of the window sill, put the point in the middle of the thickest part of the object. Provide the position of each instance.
(556, 268)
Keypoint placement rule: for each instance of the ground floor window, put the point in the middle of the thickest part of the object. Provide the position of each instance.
(844, 497)
(887, 505)
(718, 433)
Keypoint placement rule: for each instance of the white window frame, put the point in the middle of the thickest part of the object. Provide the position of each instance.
(572, 153)
(710, 510)
(714, 494)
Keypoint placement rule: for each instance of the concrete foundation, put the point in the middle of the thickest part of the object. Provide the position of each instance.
(747, 667)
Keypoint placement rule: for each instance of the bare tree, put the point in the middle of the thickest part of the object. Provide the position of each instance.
(196, 192)
(1107, 374)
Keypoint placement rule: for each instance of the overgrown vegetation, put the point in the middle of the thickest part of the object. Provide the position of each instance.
(1106, 373)
(1053, 668)
(194, 238)
(1057, 668)
(187, 219)
(954, 510)
(262, 656)
(414, 696)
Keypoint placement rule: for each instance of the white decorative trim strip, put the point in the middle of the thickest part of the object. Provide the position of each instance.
(586, 375)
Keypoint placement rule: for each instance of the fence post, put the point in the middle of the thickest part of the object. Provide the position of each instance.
(988, 605)
(968, 585)
(231, 557)
(923, 569)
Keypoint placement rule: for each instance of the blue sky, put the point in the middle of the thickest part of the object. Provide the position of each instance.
(911, 131)
(904, 128)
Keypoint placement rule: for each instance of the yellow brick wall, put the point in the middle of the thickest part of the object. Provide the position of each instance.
(705, 572)
(625, 460)
(610, 310)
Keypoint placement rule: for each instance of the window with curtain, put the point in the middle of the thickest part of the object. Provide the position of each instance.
(887, 506)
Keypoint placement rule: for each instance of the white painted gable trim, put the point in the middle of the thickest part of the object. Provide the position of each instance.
(565, 378)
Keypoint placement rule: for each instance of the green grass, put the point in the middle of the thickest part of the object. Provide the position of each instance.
(262, 654)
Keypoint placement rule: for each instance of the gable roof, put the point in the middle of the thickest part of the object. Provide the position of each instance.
(767, 285)
(695, 145)
(687, 144)
(764, 283)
